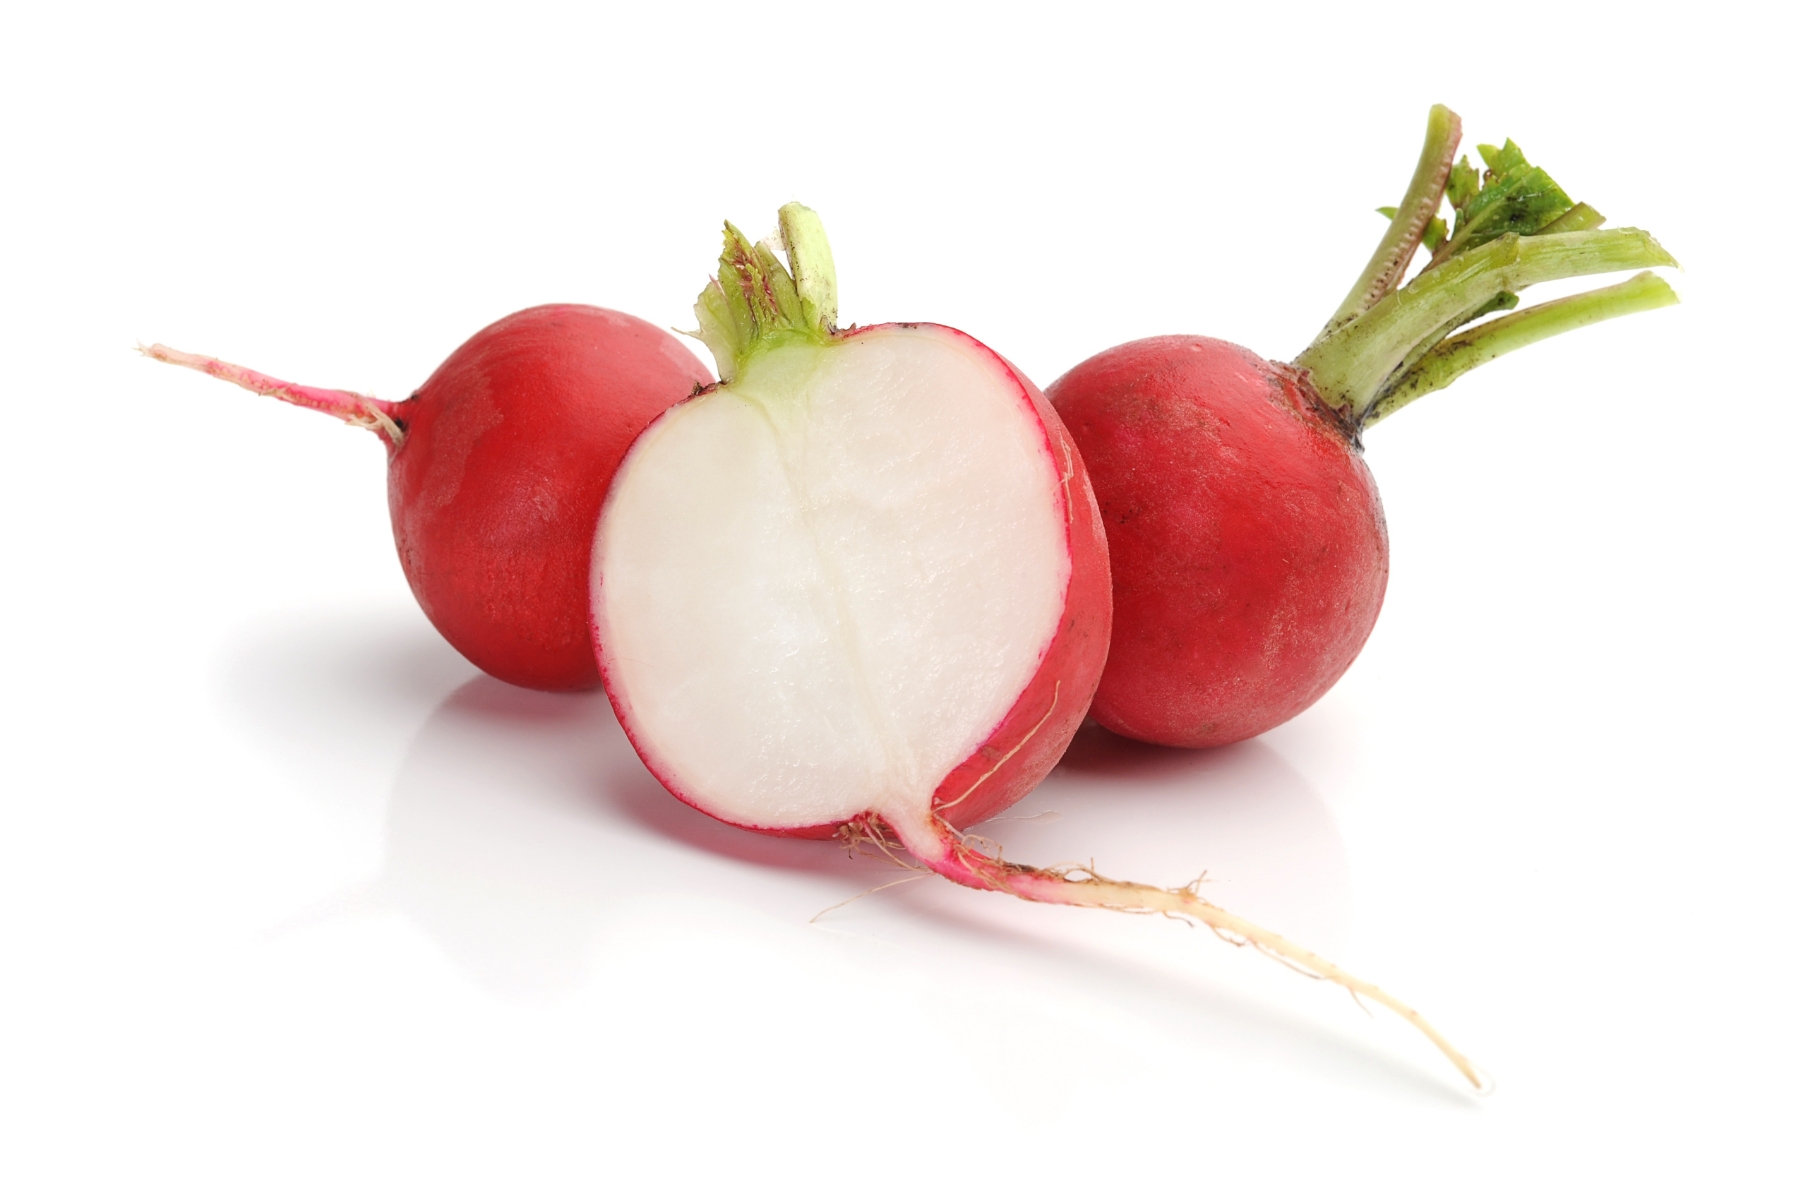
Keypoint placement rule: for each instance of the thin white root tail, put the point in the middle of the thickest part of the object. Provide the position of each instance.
(880, 887)
(1142, 898)
(948, 853)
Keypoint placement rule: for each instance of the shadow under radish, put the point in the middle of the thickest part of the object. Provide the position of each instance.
(520, 822)
(333, 695)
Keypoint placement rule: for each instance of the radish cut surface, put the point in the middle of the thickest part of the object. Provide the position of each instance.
(821, 586)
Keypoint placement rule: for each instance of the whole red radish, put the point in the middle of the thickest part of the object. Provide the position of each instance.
(859, 588)
(496, 470)
(1249, 552)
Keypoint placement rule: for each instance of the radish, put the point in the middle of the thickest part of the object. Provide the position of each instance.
(859, 589)
(1249, 552)
(496, 471)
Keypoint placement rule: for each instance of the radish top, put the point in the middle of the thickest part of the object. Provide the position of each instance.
(755, 304)
(1510, 226)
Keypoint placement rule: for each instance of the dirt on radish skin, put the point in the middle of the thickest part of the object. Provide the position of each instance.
(1249, 550)
(497, 467)
(859, 589)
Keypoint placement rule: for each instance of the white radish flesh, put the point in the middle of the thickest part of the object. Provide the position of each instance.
(823, 584)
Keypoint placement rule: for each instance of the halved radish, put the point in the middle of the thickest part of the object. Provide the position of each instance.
(865, 573)
(859, 588)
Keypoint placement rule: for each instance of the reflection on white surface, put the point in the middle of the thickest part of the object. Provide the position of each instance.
(521, 836)
(516, 819)
(334, 694)
(494, 844)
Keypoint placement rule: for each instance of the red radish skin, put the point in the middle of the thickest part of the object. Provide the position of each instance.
(859, 589)
(1021, 750)
(1249, 551)
(497, 468)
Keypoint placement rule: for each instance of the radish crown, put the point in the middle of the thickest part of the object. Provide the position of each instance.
(1511, 226)
(757, 303)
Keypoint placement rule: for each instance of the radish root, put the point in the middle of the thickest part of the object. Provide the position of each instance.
(365, 412)
(948, 853)
(919, 873)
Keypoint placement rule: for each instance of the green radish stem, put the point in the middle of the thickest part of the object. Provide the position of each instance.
(1582, 216)
(1389, 344)
(755, 304)
(1352, 365)
(1406, 229)
(1447, 361)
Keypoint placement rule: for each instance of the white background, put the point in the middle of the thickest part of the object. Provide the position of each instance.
(294, 903)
